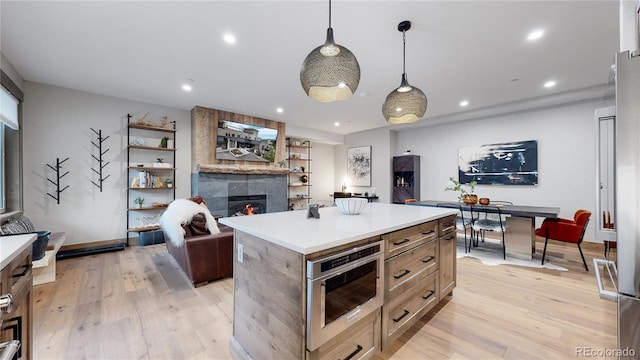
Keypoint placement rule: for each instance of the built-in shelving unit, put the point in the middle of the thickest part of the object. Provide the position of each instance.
(299, 162)
(147, 175)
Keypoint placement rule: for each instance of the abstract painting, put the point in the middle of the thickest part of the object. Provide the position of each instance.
(514, 163)
(359, 166)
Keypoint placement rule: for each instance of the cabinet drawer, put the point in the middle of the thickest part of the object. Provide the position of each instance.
(405, 239)
(406, 269)
(402, 311)
(447, 225)
(20, 271)
(359, 341)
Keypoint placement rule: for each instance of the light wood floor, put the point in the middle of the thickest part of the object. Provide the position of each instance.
(137, 304)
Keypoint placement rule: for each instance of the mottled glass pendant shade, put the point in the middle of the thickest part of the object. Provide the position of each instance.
(330, 72)
(404, 105)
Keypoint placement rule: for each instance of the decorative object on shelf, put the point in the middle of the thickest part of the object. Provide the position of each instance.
(58, 178)
(484, 201)
(99, 159)
(407, 103)
(139, 201)
(304, 179)
(330, 72)
(163, 142)
(351, 205)
(138, 141)
(359, 165)
(169, 183)
(282, 163)
(466, 196)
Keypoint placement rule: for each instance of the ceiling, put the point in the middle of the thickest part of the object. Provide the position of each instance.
(456, 50)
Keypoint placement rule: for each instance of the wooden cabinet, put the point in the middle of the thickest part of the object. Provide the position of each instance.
(420, 265)
(299, 163)
(447, 245)
(17, 279)
(361, 341)
(151, 158)
(406, 178)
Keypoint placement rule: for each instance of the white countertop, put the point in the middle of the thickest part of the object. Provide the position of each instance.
(11, 246)
(294, 231)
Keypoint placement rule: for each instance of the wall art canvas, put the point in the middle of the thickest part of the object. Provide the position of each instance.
(359, 166)
(245, 142)
(513, 163)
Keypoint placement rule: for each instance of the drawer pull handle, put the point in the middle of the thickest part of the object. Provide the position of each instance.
(406, 312)
(357, 350)
(450, 238)
(430, 259)
(24, 272)
(428, 232)
(401, 275)
(401, 242)
(429, 295)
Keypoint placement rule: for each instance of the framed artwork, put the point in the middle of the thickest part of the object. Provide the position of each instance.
(359, 165)
(513, 163)
(236, 141)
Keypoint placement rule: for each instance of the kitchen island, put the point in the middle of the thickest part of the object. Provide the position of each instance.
(272, 296)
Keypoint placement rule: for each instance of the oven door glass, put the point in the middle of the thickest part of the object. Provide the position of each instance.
(348, 290)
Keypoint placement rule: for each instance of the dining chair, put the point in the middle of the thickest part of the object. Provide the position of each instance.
(492, 221)
(565, 230)
(462, 223)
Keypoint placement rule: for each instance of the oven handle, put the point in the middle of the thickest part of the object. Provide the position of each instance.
(607, 264)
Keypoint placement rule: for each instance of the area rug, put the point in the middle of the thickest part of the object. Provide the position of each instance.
(489, 253)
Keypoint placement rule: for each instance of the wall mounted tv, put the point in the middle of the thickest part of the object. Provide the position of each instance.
(513, 163)
(236, 141)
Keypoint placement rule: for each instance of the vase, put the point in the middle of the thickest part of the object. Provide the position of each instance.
(484, 201)
(470, 199)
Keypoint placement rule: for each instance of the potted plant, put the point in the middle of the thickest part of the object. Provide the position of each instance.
(163, 142)
(139, 201)
(468, 197)
(169, 183)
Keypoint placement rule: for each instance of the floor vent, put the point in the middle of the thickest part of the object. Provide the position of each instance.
(67, 254)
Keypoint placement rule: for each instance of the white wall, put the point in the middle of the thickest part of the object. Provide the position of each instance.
(11, 72)
(57, 124)
(566, 156)
(322, 172)
(380, 140)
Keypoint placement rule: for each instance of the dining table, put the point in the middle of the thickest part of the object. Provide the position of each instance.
(520, 239)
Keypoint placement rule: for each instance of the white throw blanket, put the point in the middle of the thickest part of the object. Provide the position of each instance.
(180, 212)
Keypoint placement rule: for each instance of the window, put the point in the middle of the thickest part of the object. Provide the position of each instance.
(8, 118)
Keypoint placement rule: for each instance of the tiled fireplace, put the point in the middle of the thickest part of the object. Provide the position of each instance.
(216, 188)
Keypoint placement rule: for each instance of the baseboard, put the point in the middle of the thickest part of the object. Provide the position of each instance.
(92, 244)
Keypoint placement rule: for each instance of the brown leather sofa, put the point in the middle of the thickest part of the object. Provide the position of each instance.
(204, 257)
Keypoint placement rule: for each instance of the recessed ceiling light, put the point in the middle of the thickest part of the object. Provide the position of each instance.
(280, 110)
(550, 84)
(187, 85)
(229, 38)
(535, 35)
(464, 103)
(336, 124)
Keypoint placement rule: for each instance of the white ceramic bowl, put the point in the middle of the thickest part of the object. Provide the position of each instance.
(351, 206)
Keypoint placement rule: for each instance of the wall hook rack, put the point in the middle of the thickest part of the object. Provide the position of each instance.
(99, 159)
(58, 177)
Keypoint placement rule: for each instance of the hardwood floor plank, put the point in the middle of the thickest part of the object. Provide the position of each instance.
(137, 304)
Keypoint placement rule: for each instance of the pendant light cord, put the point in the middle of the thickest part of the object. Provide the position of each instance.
(329, 13)
(404, 46)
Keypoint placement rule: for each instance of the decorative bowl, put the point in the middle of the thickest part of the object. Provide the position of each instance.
(351, 206)
(484, 201)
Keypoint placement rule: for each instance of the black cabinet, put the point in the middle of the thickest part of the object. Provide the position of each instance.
(406, 178)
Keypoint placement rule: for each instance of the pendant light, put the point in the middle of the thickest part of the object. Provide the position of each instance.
(407, 103)
(330, 72)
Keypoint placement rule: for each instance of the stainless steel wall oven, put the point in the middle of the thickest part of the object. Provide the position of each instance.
(342, 288)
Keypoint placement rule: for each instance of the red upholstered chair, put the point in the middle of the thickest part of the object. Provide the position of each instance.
(571, 231)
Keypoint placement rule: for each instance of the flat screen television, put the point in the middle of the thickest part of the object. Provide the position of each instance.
(236, 141)
(513, 163)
